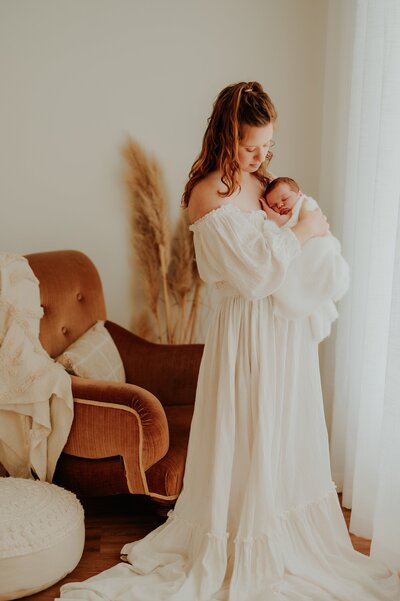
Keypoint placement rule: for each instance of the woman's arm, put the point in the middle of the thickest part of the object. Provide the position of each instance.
(310, 224)
(318, 275)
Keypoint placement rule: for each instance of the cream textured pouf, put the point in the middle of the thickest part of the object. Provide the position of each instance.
(42, 535)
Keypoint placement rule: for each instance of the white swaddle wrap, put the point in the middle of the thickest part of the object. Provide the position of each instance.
(316, 279)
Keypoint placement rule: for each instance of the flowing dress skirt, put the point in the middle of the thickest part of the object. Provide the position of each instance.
(258, 518)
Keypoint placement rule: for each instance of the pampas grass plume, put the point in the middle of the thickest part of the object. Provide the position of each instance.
(149, 226)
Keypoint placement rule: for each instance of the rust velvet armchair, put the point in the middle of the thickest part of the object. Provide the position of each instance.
(126, 437)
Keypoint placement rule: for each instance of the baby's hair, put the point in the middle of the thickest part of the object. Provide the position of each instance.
(293, 185)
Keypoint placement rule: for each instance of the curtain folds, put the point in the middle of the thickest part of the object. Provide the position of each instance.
(365, 426)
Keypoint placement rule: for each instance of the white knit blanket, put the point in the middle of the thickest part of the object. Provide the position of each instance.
(36, 403)
(317, 278)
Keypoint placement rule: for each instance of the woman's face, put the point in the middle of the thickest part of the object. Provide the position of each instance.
(254, 146)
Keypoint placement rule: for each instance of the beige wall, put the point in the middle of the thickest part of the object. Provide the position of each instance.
(79, 76)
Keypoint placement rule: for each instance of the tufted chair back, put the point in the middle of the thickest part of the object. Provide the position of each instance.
(71, 295)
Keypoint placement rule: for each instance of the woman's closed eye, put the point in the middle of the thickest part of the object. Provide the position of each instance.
(250, 149)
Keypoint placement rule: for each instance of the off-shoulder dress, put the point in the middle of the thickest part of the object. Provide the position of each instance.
(258, 518)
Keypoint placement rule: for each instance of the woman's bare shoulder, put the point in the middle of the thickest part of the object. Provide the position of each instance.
(204, 196)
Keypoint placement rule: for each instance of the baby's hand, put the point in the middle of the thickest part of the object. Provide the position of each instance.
(273, 215)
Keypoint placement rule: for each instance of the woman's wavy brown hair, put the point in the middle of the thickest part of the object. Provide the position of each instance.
(236, 105)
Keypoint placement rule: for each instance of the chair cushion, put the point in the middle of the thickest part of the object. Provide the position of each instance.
(42, 535)
(94, 355)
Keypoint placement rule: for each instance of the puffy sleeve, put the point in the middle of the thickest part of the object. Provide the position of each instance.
(316, 279)
(252, 258)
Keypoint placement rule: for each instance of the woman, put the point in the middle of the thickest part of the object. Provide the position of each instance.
(258, 518)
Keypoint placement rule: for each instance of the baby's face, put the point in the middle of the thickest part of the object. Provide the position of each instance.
(282, 199)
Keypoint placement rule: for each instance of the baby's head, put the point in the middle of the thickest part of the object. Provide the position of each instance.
(282, 194)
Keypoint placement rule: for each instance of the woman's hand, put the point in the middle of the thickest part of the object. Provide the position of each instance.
(315, 221)
(310, 224)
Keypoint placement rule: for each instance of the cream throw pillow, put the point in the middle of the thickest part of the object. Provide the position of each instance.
(94, 355)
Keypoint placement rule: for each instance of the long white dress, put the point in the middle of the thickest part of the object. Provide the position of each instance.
(258, 518)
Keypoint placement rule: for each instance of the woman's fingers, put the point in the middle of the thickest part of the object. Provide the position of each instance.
(270, 212)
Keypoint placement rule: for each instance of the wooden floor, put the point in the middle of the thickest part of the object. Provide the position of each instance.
(113, 521)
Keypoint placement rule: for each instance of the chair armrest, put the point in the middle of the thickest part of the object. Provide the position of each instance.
(113, 418)
(169, 371)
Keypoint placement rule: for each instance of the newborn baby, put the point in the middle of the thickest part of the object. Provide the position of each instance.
(316, 278)
(284, 197)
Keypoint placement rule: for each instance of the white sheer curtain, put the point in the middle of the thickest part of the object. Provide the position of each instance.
(365, 428)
